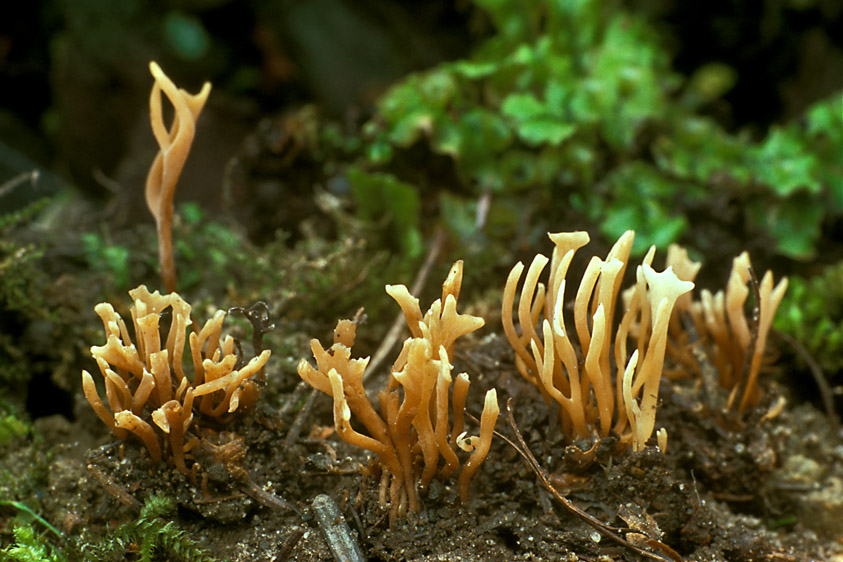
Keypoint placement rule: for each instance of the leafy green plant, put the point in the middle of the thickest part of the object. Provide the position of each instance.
(30, 547)
(812, 313)
(12, 427)
(573, 107)
(112, 259)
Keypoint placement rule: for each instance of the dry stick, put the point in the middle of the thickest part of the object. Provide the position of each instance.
(607, 530)
(742, 388)
(107, 482)
(270, 500)
(337, 534)
(418, 283)
(258, 316)
(826, 393)
(290, 543)
(298, 423)
(20, 179)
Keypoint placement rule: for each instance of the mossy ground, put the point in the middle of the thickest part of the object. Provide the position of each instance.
(766, 491)
(316, 214)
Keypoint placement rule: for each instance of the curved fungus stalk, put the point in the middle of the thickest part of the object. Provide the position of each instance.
(481, 444)
(164, 173)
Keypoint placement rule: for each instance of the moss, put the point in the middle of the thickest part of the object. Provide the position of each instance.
(30, 547)
(812, 313)
(152, 534)
(595, 127)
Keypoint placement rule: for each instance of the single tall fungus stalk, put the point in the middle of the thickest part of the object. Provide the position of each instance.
(413, 424)
(164, 173)
(599, 386)
(148, 392)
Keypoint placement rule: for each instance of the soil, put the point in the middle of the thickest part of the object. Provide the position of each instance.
(768, 486)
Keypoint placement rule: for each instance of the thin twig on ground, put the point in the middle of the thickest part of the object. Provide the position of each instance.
(606, 530)
(826, 394)
(398, 324)
(341, 542)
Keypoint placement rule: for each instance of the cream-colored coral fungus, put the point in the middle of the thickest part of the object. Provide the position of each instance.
(413, 425)
(146, 385)
(599, 385)
(164, 173)
(721, 320)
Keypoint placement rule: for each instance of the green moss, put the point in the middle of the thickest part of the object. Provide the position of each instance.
(30, 547)
(812, 313)
(157, 538)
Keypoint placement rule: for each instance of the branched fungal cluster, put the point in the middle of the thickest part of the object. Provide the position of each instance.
(735, 343)
(413, 424)
(599, 386)
(603, 374)
(149, 395)
(592, 401)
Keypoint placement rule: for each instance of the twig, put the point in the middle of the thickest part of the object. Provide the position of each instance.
(826, 393)
(605, 529)
(293, 399)
(394, 332)
(114, 490)
(258, 316)
(20, 179)
(290, 543)
(741, 389)
(337, 534)
(267, 499)
(298, 424)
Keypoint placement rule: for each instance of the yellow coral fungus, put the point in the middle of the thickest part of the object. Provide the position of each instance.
(144, 381)
(721, 320)
(597, 385)
(413, 423)
(164, 173)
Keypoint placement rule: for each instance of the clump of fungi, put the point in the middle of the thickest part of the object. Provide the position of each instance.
(599, 386)
(734, 343)
(150, 395)
(413, 423)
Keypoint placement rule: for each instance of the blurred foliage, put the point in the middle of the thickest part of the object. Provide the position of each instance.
(23, 291)
(30, 547)
(572, 110)
(11, 428)
(812, 313)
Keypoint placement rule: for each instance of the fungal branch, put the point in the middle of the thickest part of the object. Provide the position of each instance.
(735, 344)
(598, 385)
(164, 173)
(149, 395)
(413, 426)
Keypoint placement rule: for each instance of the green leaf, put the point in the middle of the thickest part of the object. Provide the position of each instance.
(378, 195)
(545, 131)
(794, 222)
(535, 125)
(522, 107)
(784, 163)
(186, 36)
